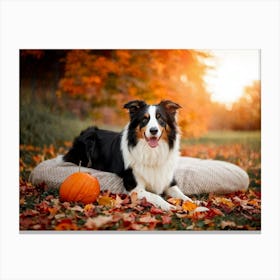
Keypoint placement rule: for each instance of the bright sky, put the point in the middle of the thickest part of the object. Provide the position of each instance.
(234, 69)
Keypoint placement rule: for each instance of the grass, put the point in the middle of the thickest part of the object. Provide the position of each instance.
(40, 126)
(224, 137)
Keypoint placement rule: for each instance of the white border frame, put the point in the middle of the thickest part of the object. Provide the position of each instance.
(133, 24)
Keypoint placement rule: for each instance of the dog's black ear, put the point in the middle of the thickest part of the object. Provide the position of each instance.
(170, 106)
(134, 106)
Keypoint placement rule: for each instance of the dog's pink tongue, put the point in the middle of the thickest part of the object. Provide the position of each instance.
(153, 142)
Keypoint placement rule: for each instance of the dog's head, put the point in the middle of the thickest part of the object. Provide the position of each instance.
(152, 122)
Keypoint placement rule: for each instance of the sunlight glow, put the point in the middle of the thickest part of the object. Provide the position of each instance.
(233, 70)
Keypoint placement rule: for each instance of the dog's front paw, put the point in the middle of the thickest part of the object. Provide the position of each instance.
(165, 206)
(197, 202)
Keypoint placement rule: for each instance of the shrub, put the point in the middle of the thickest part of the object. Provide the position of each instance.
(39, 126)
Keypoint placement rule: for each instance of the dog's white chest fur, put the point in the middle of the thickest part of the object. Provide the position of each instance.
(153, 168)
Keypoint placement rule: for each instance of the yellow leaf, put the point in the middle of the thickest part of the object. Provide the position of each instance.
(254, 202)
(21, 201)
(53, 211)
(106, 201)
(174, 201)
(189, 206)
(88, 207)
(223, 200)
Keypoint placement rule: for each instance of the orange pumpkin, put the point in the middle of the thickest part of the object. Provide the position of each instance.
(80, 187)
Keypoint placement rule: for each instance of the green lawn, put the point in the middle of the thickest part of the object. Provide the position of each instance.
(222, 137)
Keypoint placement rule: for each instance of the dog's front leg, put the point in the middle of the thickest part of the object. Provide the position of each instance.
(175, 192)
(153, 198)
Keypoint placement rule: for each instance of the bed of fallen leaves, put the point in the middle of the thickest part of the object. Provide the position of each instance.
(41, 209)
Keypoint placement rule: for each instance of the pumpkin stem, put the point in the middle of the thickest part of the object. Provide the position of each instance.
(80, 165)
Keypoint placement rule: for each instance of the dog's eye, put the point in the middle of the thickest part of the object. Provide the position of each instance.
(144, 121)
(161, 121)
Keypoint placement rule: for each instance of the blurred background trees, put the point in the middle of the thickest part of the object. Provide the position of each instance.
(244, 114)
(94, 84)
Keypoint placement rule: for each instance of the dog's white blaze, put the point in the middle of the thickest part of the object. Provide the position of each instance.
(152, 122)
(153, 168)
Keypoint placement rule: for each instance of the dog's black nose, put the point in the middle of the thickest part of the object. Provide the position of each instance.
(153, 130)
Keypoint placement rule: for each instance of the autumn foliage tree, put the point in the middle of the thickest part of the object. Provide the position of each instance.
(109, 78)
(247, 110)
(96, 84)
(245, 113)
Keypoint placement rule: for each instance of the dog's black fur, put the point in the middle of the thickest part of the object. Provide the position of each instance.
(94, 148)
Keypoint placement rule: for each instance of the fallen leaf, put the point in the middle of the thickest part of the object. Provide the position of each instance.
(189, 206)
(30, 212)
(175, 201)
(118, 201)
(155, 210)
(215, 212)
(129, 217)
(36, 227)
(223, 200)
(59, 216)
(145, 203)
(98, 221)
(201, 209)
(166, 219)
(138, 227)
(134, 199)
(77, 208)
(66, 224)
(89, 210)
(147, 218)
(106, 201)
(66, 204)
(22, 201)
(49, 197)
(230, 224)
(52, 211)
(43, 206)
(254, 202)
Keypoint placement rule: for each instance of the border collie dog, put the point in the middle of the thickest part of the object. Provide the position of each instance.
(144, 154)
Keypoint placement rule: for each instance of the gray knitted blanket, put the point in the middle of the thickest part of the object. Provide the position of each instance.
(193, 176)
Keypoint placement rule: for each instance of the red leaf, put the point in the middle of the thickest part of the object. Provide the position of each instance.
(155, 210)
(166, 219)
